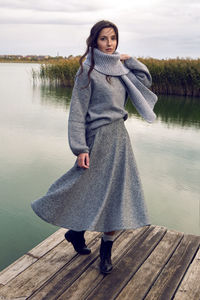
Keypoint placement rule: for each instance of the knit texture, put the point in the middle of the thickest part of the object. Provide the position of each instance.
(107, 64)
(108, 196)
(142, 98)
(99, 102)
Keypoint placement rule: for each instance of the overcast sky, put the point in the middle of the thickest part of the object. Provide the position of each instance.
(148, 28)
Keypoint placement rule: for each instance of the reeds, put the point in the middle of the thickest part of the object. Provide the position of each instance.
(180, 76)
(61, 72)
(175, 76)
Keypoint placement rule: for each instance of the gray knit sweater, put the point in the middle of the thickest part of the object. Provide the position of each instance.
(100, 102)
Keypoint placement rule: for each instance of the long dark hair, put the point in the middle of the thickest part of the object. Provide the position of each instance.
(92, 42)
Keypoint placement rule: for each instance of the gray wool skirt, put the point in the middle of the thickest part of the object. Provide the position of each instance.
(108, 196)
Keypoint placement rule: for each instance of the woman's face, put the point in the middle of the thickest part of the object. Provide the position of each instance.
(107, 40)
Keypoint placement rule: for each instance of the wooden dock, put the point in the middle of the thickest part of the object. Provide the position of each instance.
(148, 263)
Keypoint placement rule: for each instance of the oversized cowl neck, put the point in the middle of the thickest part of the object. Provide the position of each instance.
(108, 64)
(142, 98)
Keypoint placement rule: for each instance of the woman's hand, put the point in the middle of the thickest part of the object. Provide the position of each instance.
(83, 160)
(124, 56)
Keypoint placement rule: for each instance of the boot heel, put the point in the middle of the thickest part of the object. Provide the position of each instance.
(78, 241)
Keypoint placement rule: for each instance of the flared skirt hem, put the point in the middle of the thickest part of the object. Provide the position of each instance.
(108, 196)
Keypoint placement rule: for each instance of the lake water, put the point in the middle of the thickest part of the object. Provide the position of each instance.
(34, 152)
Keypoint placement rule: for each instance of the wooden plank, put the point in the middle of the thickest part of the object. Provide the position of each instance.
(190, 286)
(38, 273)
(49, 243)
(56, 271)
(110, 286)
(81, 287)
(29, 258)
(65, 277)
(141, 282)
(16, 268)
(172, 274)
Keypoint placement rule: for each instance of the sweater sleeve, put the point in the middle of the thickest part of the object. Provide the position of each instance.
(77, 115)
(140, 71)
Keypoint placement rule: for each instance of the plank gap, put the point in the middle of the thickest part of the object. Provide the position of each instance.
(181, 279)
(69, 263)
(77, 276)
(134, 241)
(188, 288)
(165, 263)
(139, 266)
(95, 253)
(140, 250)
(90, 279)
(16, 268)
(166, 284)
(39, 272)
(49, 243)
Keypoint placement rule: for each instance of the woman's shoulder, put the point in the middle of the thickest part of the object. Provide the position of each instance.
(81, 77)
(82, 71)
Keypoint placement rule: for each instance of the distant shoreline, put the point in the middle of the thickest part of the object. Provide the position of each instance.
(40, 59)
(21, 62)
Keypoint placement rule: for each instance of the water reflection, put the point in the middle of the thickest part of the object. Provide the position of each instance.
(54, 96)
(173, 110)
(183, 111)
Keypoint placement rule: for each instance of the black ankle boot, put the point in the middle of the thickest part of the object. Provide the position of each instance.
(78, 241)
(105, 256)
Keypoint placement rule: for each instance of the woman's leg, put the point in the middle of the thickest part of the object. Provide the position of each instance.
(105, 252)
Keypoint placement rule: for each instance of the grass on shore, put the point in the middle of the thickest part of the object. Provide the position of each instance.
(180, 76)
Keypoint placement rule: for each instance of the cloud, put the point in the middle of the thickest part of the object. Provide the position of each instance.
(71, 12)
(54, 5)
(30, 17)
(153, 27)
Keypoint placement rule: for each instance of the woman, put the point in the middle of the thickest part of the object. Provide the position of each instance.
(102, 191)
